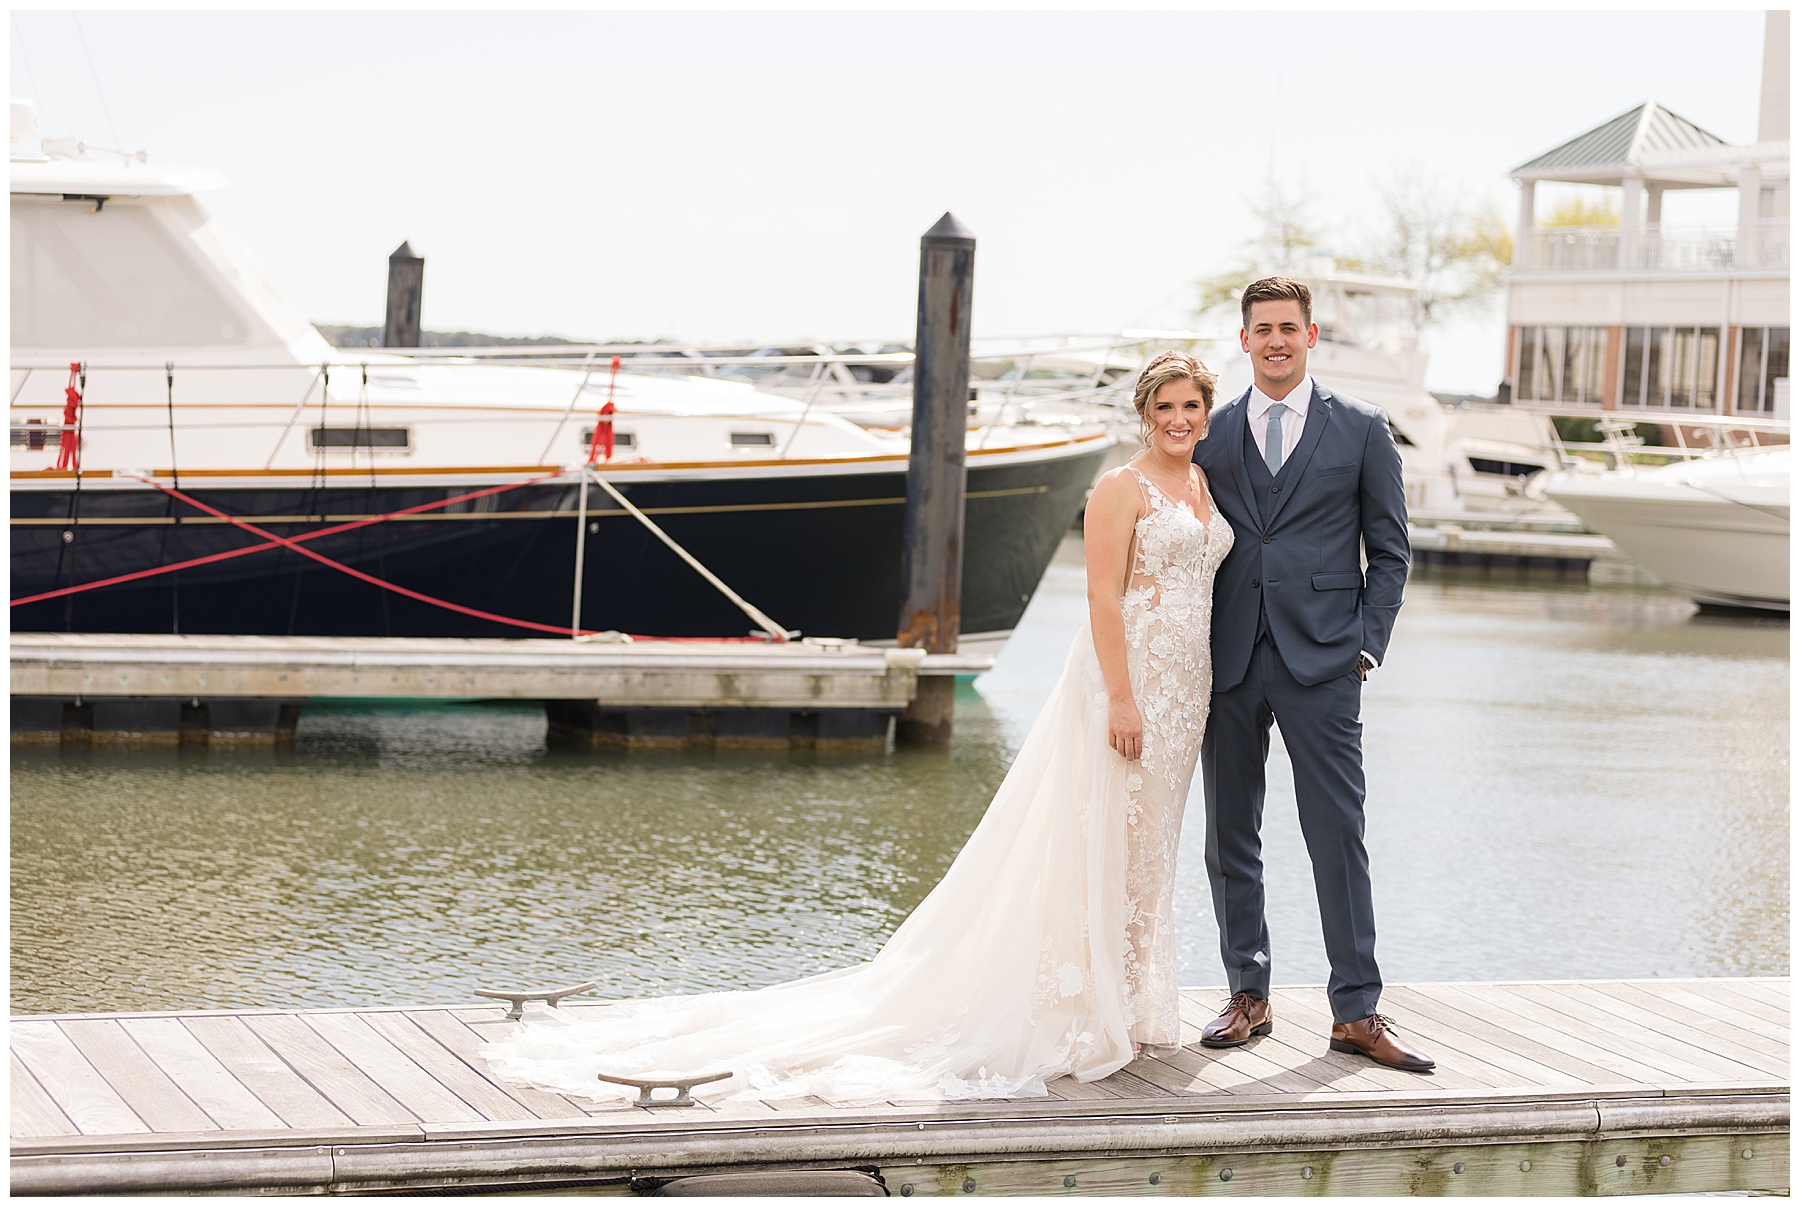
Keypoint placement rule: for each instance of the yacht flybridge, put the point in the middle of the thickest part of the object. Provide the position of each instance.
(169, 410)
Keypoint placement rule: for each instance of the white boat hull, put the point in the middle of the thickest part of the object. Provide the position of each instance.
(1717, 533)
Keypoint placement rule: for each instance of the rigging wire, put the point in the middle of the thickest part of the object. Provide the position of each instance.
(19, 39)
(317, 484)
(365, 422)
(175, 472)
(104, 107)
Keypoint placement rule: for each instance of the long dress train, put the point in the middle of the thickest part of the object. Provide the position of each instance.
(1045, 950)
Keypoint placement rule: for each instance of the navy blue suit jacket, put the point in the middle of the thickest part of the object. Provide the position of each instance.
(1301, 553)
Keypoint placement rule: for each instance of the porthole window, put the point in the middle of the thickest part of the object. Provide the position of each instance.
(348, 439)
(752, 440)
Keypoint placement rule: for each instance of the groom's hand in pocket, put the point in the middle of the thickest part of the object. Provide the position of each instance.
(1125, 728)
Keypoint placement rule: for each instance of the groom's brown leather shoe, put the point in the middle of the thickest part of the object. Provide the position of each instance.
(1374, 1037)
(1245, 1016)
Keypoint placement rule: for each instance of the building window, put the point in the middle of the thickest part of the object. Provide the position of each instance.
(1762, 362)
(1671, 367)
(1560, 365)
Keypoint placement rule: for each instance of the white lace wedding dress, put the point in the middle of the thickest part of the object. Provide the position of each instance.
(1045, 950)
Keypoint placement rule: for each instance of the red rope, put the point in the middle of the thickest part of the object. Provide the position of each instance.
(396, 588)
(68, 445)
(603, 422)
(277, 542)
(273, 541)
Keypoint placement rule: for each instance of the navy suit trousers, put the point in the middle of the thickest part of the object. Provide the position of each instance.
(1321, 727)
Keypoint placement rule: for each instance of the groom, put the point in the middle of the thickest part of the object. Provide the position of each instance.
(1310, 481)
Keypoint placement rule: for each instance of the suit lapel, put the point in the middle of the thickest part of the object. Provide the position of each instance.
(1237, 426)
(1318, 414)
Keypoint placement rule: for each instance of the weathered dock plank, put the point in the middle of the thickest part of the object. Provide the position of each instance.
(265, 1075)
(146, 1089)
(1464, 1048)
(32, 1111)
(85, 1096)
(451, 1032)
(385, 1065)
(1689, 1012)
(1543, 1088)
(1693, 1037)
(185, 1062)
(1576, 1041)
(327, 1070)
(1421, 1005)
(1650, 1055)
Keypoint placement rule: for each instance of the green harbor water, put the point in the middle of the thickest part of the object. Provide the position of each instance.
(1564, 781)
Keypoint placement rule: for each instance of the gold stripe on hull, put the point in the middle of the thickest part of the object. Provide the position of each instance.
(438, 517)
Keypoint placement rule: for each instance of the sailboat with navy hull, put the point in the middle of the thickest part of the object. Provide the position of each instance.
(189, 455)
(818, 551)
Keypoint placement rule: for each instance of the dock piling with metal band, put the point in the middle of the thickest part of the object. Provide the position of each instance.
(1605, 1087)
(932, 546)
(121, 688)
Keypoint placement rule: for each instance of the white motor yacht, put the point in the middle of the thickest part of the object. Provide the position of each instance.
(1714, 528)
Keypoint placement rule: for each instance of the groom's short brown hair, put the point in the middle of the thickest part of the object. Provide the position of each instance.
(1277, 289)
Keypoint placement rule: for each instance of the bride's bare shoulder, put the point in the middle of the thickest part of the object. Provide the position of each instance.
(1116, 490)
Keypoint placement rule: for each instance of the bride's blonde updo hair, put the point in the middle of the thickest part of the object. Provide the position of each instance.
(1164, 368)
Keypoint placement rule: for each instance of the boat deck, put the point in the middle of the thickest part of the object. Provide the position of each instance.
(1542, 1088)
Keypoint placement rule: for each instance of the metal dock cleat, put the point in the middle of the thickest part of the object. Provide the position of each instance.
(647, 1086)
(547, 996)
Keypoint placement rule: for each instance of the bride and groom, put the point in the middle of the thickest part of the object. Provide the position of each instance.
(1226, 591)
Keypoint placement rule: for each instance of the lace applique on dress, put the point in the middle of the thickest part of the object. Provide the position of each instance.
(1167, 606)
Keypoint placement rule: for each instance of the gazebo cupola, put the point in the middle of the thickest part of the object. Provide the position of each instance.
(1644, 153)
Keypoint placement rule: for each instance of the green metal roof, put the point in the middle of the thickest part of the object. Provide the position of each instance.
(1622, 142)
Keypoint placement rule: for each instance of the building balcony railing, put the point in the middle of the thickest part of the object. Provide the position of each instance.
(1659, 248)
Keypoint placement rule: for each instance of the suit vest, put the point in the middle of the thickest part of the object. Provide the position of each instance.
(1265, 488)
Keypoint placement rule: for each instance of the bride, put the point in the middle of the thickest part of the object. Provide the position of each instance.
(1047, 949)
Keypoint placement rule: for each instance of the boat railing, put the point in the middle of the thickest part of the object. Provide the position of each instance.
(1622, 443)
(1079, 380)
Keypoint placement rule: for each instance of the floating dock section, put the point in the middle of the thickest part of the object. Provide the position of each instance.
(1544, 1088)
(134, 688)
(1509, 546)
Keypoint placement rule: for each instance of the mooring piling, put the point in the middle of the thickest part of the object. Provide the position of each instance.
(405, 292)
(932, 546)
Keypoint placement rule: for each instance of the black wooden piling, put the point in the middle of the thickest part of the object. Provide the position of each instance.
(406, 289)
(932, 547)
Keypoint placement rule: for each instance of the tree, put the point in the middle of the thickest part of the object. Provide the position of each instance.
(1579, 210)
(1286, 237)
(1426, 233)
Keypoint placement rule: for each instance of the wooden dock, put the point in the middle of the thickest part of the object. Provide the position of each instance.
(137, 687)
(1542, 1088)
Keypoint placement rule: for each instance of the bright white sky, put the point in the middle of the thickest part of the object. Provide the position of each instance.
(741, 175)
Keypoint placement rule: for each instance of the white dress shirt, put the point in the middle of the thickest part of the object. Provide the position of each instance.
(1293, 421)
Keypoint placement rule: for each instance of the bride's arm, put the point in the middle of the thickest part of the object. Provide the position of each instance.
(1108, 528)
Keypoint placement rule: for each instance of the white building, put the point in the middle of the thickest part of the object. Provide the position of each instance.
(1655, 317)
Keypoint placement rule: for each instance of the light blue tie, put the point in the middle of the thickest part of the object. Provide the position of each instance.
(1272, 439)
